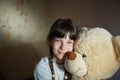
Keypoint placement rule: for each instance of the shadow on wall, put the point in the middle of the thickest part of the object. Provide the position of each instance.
(17, 62)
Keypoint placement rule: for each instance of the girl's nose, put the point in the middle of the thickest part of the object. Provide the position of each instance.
(62, 47)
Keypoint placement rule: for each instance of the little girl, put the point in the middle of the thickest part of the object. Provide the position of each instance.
(60, 40)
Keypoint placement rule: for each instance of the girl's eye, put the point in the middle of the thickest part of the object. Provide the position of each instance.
(70, 42)
(57, 40)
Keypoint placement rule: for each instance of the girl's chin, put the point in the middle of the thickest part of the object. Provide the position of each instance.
(60, 58)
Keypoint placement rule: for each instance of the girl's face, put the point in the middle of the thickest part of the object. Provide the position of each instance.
(62, 45)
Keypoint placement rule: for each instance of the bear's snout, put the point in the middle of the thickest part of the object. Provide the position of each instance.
(71, 55)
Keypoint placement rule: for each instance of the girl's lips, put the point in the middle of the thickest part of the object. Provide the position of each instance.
(61, 52)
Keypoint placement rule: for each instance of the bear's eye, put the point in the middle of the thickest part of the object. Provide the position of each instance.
(84, 56)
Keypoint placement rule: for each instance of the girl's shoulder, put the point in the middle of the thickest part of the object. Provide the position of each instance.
(42, 64)
(42, 69)
(43, 60)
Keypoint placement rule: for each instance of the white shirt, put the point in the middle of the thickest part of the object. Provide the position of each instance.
(43, 72)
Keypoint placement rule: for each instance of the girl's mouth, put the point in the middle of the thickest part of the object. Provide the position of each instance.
(61, 52)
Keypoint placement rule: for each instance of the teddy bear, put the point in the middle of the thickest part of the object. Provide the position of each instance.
(96, 55)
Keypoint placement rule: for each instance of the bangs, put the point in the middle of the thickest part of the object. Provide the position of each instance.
(59, 34)
(62, 33)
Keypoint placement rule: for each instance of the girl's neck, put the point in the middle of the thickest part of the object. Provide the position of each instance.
(58, 61)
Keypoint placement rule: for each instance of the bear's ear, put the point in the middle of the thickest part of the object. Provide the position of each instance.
(116, 43)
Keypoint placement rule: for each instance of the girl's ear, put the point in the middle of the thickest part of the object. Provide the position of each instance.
(116, 44)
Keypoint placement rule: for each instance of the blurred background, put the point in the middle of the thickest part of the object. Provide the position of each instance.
(24, 25)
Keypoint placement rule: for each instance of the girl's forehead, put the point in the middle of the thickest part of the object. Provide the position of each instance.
(67, 35)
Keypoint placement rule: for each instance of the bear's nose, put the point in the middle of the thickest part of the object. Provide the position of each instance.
(71, 55)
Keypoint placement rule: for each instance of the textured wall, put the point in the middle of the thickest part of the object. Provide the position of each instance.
(22, 37)
(24, 25)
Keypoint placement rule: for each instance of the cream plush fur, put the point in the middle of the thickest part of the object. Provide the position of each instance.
(96, 55)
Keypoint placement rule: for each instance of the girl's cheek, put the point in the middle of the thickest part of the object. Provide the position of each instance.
(70, 47)
(56, 45)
